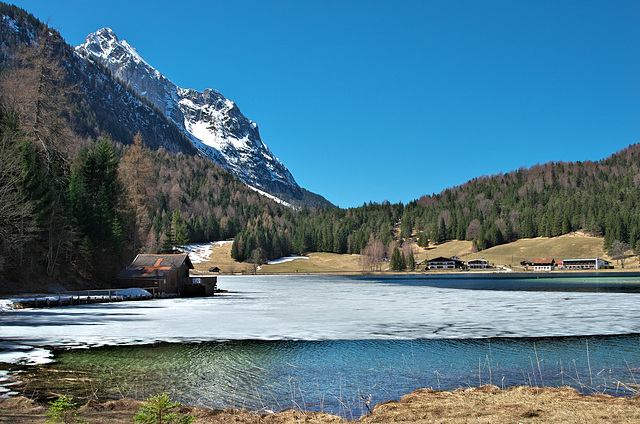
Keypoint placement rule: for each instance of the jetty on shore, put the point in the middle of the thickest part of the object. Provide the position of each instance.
(83, 297)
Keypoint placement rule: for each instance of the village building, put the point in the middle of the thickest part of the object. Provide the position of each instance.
(543, 264)
(444, 263)
(478, 264)
(166, 275)
(595, 263)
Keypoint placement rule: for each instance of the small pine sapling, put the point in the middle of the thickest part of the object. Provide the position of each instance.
(157, 411)
(63, 410)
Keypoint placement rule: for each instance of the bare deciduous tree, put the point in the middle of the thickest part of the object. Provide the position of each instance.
(372, 256)
(618, 251)
(16, 211)
(473, 229)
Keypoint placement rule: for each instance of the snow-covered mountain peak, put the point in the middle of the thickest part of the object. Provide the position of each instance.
(104, 43)
(213, 123)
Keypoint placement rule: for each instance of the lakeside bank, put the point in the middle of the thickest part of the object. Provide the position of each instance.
(475, 405)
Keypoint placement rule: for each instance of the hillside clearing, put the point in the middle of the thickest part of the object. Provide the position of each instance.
(574, 245)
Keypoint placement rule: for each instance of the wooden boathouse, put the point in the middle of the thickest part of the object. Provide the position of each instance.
(167, 275)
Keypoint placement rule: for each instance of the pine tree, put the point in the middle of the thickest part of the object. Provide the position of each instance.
(423, 240)
(179, 229)
(411, 263)
(169, 243)
(396, 261)
(212, 230)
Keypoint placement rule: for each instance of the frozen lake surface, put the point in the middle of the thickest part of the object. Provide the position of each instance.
(350, 335)
(336, 308)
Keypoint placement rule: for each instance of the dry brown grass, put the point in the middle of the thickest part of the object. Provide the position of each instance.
(459, 248)
(221, 257)
(563, 247)
(317, 262)
(486, 404)
(515, 405)
(573, 245)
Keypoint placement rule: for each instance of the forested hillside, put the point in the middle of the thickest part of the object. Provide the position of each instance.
(82, 191)
(600, 198)
(75, 206)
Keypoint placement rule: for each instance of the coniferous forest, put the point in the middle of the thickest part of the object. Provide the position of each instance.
(83, 191)
(549, 200)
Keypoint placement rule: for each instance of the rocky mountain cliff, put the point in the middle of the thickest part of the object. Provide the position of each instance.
(95, 103)
(213, 124)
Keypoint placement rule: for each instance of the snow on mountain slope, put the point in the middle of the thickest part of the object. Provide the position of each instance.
(214, 124)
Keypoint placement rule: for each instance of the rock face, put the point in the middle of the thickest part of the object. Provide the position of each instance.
(213, 124)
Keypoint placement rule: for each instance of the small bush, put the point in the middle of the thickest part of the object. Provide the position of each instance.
(63, 410)
(156, 411)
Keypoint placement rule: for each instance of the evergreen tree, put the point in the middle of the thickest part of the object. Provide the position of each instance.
(411, 263)
(423, 240)
(179, 229)
(169, 243)
(397, 262)
(212, 230)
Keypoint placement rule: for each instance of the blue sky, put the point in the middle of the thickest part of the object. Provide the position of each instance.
(389, 100)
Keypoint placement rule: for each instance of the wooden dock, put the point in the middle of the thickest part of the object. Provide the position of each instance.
(84, 297)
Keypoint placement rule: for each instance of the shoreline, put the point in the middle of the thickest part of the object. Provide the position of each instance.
(457, 274)
(473, 405)
(488, 274)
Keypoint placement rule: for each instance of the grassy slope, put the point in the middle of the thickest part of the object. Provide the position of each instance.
(568, 246)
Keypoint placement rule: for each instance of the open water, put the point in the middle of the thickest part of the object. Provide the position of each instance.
(341, 344)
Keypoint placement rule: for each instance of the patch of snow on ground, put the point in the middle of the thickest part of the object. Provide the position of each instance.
(135, 292)
(200, 252)
(287, 259)
(272, 197)
(197, 252)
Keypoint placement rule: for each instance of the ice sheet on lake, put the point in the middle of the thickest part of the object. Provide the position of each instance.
(327, 308)
(14, 353)
(5, 305)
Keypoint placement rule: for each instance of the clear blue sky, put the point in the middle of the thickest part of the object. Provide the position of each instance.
(389, 100)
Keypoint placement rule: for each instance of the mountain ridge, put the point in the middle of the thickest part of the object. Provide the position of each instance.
(214, 124)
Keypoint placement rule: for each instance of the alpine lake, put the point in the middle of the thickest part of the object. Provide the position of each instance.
(339, 344)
